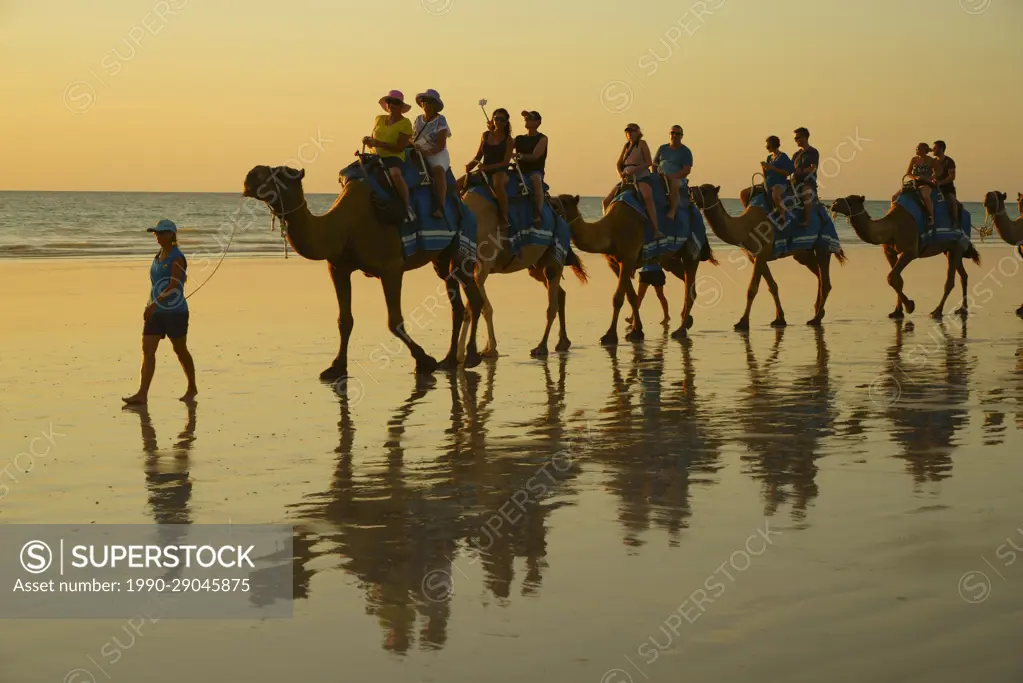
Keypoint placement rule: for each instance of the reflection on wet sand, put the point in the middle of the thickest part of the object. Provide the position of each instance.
(167, 474)
(783, 425)
(652, 474)
(925, 395)
(411, 535)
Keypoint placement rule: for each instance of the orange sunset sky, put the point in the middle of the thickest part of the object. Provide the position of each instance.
(188, 95)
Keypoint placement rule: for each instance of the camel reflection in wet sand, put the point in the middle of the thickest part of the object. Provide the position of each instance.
(414, 535)
(783, 425)
(925, 391)
(652, 473)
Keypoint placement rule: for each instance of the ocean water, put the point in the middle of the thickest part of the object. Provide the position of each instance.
(91, 224)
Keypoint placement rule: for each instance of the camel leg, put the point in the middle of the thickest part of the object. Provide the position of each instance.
(463, 274)
(342, 280)
(823, 272)
(391, 281)
(751, 293)
(893, 258)
(963, 310)
(772, 287)
(553, 275)
(564, 343)
(461, 322)
(955, 261)
(610, 337)
(635, 333)
(685, 270)
(490, 350)
(896, 282)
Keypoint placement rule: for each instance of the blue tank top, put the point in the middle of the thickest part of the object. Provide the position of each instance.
(159, 277)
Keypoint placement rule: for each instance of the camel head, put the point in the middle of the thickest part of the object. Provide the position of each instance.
(567, 205)
(705, 196)
(994, 202)
(853, 205)
(280, 187)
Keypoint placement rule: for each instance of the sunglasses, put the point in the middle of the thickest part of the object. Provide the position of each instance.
(391, 100)
(500, 118)
(675, 132)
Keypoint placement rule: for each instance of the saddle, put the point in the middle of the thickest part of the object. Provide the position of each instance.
(387, 205)
(791, 199)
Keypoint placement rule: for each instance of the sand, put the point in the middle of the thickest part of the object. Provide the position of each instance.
(836, 486)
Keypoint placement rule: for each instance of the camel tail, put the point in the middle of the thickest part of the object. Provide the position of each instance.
(973, 254)
(1019, 248)
(573, 262)
(841, 257)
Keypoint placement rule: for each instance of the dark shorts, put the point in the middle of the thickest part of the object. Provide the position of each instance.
(654, 278)
(947, 189)
(167, 324)
(392, 162)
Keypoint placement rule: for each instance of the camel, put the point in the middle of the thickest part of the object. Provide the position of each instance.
(495, 256)
(754, 232)
(619, 236)
(349, 237)
(1009, 230)
(899, 234)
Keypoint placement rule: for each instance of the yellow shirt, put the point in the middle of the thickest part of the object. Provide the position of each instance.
(389, 134)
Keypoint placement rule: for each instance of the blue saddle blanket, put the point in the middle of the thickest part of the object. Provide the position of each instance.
(793, 236)
(552, 231)
(426, 233)
(687, 230)
(943, 230)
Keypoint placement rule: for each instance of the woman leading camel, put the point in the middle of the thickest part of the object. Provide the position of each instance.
(634, 164)
(391, 135)
(166, 313)
(495, 152)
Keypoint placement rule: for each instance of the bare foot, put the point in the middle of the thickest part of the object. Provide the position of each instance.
(136, 400)
(189, 395)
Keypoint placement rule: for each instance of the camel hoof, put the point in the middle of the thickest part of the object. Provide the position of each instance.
(489, 353)
(563, 345)
(539, 352)
(779, 322)
(448, 363)
(334, 372)
(910, 306)
(962, 312)
(679, 334)
(472, 359)
(609, 340)
(635, 336)
(426, 365)
(816, 322)
(742, 325)
(937, 314)
(896, 315)
(689, 322)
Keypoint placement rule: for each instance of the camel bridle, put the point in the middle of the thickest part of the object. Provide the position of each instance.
(281, 214)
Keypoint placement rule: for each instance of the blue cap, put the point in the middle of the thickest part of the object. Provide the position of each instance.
(164, 226)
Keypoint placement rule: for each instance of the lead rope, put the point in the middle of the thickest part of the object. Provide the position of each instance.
(222, 255)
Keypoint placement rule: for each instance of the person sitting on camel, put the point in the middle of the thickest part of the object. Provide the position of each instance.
(777, 170)
(391, 135)
(531, 156)
(634, 165)
(431, 139)
(674, 161)
(923, 168)
(495, 153)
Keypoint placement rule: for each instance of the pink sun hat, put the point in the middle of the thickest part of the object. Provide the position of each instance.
(395, 95)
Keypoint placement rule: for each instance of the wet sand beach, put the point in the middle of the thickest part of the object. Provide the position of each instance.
(796, 505)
